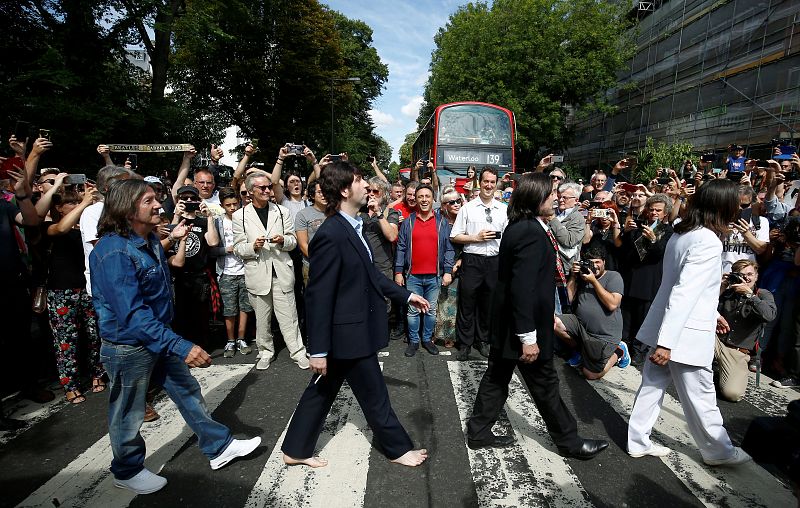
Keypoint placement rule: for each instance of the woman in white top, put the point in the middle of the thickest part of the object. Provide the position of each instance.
(680, 330)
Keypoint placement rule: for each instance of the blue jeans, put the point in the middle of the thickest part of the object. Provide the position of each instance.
(129, 369)
(427, 286)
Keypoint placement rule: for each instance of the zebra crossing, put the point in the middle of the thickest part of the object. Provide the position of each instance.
(433, 397)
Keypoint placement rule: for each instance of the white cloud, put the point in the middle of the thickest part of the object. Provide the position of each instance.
(382, 119)
(411, 108)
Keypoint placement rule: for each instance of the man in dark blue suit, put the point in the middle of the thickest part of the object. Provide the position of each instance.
(346, 324)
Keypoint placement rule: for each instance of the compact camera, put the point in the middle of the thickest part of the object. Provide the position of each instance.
(297, 150)
(587, 267)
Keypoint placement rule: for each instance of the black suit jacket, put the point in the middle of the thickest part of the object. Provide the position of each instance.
(524, 298)
(345, 306)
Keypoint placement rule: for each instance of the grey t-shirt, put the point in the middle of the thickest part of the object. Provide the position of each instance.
(382, 249)
(308, 219)
(598, 321)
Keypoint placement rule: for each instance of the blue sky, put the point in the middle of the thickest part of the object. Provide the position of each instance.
(403, 35)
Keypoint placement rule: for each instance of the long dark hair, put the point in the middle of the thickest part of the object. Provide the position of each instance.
(336, 177)
(713, 206)
(120, 205)
(529, 196)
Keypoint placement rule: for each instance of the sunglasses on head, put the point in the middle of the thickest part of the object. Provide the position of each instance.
(454, 202)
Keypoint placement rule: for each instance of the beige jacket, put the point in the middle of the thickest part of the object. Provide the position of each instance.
(258, 266)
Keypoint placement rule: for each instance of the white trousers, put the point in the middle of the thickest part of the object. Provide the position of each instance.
(282, 303)
(695, 386)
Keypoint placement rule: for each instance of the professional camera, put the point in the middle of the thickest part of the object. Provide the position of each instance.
(734, 278)
(587, 267)
(791, 231)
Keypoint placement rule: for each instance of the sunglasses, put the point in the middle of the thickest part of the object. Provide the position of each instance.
(374, 192)
(556, 177)
(263, 187)
(189, 199)
(454, 202)
(745, 205)
(51, 182)
(243, 193)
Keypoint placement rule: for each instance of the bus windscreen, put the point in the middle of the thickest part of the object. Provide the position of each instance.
(474, 125)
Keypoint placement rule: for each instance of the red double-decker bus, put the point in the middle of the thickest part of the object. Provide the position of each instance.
(463, 134)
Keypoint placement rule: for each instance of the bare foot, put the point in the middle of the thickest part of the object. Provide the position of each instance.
(311, 461)
(412, 458)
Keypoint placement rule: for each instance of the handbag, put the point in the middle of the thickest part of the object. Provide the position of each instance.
(39, 299)
(39, 304)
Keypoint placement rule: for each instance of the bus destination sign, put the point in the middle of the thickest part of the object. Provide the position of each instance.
(475, 157)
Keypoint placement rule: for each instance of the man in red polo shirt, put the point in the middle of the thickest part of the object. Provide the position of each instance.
(407, 205)
(424, 263)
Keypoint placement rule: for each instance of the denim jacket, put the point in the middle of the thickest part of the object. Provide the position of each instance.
(132, 294)
(402, 263)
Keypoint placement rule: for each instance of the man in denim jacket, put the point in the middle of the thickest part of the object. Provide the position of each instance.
(423, 263)
(133, 299)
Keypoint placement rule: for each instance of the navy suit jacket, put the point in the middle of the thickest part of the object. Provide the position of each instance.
(345, 305)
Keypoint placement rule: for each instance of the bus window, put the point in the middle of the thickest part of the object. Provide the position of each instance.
(474, 125)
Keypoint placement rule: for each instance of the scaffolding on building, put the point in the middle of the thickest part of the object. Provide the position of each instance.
(707, 72)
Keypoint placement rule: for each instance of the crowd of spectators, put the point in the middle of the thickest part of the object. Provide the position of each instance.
(238, 253)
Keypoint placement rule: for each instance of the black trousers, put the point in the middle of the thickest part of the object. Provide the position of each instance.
(633, 314)
(366, 380)
(478, 277)
(542, 381)
(192, 293)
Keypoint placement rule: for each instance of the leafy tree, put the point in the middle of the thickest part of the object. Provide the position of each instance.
(271, 67)
(660, 155)
(405, 149)
(534, 57)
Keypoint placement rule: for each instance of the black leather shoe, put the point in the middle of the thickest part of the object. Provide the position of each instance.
(463, 354)
(492, 442)
(9, 424)
(411, 349)
(588, 449)
(430, 347)
(484, 348)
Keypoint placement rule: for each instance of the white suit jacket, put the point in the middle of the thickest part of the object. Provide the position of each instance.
(683, 316)
(258, 266)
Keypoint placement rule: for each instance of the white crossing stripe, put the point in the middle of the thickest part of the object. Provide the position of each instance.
(345, 441)
(87, 481)
(766, 398)
(746, 485)
(529, 473)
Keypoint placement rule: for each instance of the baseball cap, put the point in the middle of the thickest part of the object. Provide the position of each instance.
(153, 179)
(188, 189)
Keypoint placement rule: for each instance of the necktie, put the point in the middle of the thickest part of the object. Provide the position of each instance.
(561, 278)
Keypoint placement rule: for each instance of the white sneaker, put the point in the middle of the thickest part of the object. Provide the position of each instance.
(145, 482)
(739, 457)
(653, 451)
(303, 363)
(237, 448)
(263, 363)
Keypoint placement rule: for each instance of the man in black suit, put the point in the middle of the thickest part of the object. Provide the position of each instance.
(521, 326)
(346, 323)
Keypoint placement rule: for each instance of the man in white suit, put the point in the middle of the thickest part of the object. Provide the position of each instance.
(680, 330)
(263, 235)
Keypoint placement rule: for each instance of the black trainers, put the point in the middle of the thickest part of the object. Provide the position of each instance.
(787, 382)
(411, 349)
(430, 347)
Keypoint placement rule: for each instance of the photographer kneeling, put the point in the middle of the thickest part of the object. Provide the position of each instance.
(744, 312)
(596, 327)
